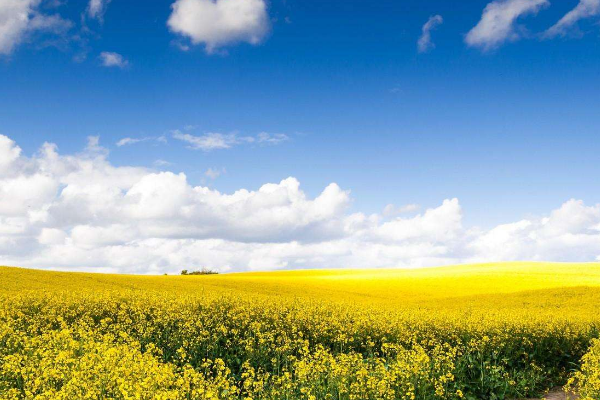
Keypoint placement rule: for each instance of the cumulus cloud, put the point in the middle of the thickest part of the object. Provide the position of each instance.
(111, 59)
(498, 22)
(568, 234)
(80, 212)
(439, 224)
(21, 18)
(585, 9)
(392, 210)
(218, 23)
(9, 153)
(424, 44)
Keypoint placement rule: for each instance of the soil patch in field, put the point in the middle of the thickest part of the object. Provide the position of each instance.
(558, 394)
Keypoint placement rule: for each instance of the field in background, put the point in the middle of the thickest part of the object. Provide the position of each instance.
(477, 332)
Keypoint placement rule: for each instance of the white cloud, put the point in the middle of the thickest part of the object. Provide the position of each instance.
(585, 9)
(127, 141)
(15, 16)
(437, 224)
(93, 147)
(498, 22)
(97, 8)
(567, 234)
(392, 210)
(49, 236)
(79, 212)
(208, 141)
(161, 163)
(49, 23)
(218, 141)
(214, 173)
(268, 138)
(218, 23)
(111, 59)
(9, 154)
(424, 44)
(21, 18)
(32, 192)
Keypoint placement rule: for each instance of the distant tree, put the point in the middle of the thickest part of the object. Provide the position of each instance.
(203, 271)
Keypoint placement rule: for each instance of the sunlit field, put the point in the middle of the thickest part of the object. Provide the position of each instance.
(494, 331)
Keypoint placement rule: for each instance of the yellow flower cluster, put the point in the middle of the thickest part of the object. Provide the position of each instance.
(586, 382)
(477, 332)
(62, 364)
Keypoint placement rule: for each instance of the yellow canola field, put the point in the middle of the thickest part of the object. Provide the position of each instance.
(493, 331)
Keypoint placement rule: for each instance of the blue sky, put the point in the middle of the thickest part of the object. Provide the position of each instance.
(509, 128)
(517, 125)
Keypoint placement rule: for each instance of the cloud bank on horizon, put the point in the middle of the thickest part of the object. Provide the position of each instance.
(79, 212)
